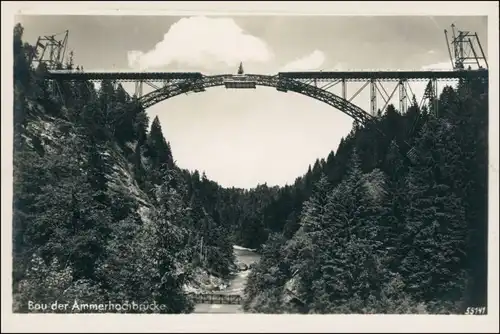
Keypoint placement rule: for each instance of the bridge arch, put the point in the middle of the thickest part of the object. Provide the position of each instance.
(276, 81)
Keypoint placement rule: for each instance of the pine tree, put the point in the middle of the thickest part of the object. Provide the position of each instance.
(351, 263)
(22, 78)
(168, 247)
(434, 240)
(310, 236)
(75, 226)
(158, 151)
(22, 73)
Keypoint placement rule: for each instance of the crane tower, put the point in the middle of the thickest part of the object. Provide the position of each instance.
(466, 50)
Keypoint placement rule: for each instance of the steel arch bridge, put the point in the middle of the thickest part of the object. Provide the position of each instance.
(305, 83)
(250, 81)
(467, 52)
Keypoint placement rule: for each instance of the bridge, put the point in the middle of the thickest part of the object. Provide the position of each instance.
(215, 298)
(467, 52)
(313, 84)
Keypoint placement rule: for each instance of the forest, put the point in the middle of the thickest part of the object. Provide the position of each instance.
(101, 210)
(373, 230)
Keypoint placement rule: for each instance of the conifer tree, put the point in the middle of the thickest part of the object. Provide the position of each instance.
(168, 247)
(435, 232)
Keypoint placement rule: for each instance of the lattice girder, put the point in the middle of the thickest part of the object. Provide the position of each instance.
(283, 84)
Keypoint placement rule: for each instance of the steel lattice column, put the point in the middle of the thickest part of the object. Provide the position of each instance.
(435, 96)
(344, 89)
(402, 96)
(373, 97)
(138, 89)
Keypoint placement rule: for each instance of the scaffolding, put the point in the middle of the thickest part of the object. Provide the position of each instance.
(50, 51)
(465, 50)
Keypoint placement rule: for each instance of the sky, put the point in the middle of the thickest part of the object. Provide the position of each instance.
(243, 138)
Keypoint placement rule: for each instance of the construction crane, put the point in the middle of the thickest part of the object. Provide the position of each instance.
(464, 52)
(50, 50)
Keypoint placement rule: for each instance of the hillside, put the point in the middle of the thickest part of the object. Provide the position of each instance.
(369, 231)
(101, 210)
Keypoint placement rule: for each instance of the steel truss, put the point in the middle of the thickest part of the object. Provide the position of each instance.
(282, 84)
(377, 82)
(313, 84)
(51, 51)
(316, 85)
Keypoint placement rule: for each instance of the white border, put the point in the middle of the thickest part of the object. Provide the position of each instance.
(247, 322)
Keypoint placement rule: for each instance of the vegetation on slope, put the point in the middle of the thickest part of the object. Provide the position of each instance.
(101, 212)
(380, 235)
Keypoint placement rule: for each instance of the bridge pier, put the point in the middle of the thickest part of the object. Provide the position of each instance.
(402, 96)
(55, 88)
(344, 89)
(138, 88)
(435, 99)
(431, 95)
(373, 97)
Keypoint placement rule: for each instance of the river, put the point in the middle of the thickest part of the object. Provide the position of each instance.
(236, 286)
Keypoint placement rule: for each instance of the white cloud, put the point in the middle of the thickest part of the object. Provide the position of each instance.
(339, 67)
(309, 62)
(444, 66)
(202, 42)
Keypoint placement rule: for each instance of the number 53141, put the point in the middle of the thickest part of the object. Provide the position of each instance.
(475, 310)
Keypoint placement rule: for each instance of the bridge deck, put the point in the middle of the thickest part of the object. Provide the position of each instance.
(385, 75)
(123, 76)
(347, 75)
(216, 298)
